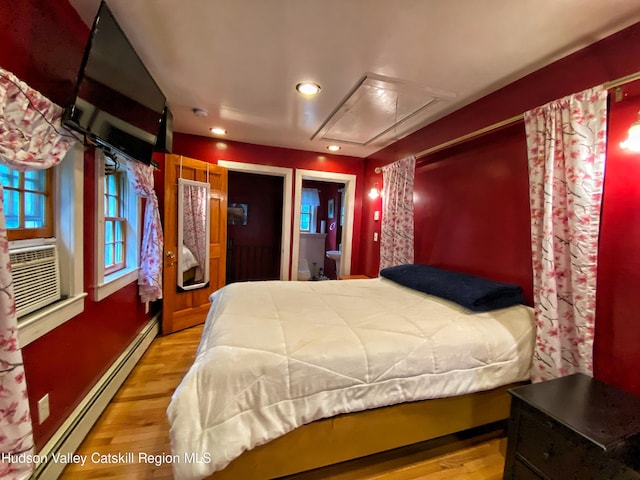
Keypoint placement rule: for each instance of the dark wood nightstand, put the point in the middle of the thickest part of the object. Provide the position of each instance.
(573, 427)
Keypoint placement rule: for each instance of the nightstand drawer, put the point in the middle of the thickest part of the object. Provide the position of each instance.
(573, 428)
(522, 472)
(548, 446)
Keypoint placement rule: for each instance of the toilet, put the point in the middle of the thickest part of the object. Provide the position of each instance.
(303, 270)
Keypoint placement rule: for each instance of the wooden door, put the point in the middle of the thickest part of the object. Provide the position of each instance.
(183, 309)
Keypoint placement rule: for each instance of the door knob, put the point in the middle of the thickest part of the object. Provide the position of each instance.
(171, 255)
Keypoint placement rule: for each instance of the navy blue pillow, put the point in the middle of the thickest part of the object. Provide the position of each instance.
(474, 293)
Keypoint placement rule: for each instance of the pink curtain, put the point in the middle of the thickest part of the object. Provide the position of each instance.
(150, 273)
(396, 238)
(566, 143)
(194, 225)
(31, 138)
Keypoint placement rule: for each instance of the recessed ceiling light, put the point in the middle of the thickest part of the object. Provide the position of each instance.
(218, 131)
(308, 88)
(333, 148)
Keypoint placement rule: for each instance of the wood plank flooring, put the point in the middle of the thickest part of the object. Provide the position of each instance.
(135, 421)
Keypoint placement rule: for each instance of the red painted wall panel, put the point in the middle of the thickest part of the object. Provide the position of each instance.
(617, 355)
(471, 209)
(211, 150)
(42, 42)
(459, 220)
(67, 362)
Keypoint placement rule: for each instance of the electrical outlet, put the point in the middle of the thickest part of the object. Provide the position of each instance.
(43, 408)
(146, 307)
(375, 236)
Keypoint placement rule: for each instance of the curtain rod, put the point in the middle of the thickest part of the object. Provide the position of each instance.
(509, 121)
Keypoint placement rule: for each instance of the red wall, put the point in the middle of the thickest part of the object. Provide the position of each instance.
(617, 351)
(211, 150)
(484, 187)
(42, 41)
(471, 208)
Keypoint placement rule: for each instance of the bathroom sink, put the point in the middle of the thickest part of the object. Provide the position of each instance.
(335, 256)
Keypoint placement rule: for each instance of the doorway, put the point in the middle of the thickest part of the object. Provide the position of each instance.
(254, 227)
(347, 200)
(287, 188)
(321, 225)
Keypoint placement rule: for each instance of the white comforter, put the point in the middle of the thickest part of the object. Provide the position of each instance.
(276, 355)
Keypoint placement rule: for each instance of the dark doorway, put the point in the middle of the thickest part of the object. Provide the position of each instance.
(254, 236)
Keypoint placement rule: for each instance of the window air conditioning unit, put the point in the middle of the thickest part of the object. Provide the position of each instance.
(36, 277)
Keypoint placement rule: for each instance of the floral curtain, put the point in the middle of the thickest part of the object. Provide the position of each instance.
(194, 225)
(396, 238)
(150, 273)
(31, 137)
(566, 143)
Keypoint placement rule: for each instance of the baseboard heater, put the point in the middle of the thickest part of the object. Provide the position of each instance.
(73, 431)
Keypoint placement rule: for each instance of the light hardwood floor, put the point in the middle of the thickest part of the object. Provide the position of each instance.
(135, 421)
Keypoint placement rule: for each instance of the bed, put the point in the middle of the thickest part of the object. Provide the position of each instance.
(191, 272)
(360, 365)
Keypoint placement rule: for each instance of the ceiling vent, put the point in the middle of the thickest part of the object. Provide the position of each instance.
(379, 110)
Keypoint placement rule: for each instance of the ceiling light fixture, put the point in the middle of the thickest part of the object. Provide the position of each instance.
(334, 148)
(218, 131)
(308, 88)
(199, 112)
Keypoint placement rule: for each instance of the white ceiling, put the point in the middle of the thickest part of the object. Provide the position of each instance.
(241, 59)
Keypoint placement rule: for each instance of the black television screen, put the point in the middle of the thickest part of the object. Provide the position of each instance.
(118, 104)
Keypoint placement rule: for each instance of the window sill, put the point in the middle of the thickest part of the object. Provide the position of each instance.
(39, 323)
(114, 282)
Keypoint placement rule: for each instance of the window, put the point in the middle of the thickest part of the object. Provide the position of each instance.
(308, 209)
(28, 203)
(306, 212)
(118, 232)
(115, 223)
(62, 196)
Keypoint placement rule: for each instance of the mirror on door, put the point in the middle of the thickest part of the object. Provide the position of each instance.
(193, 234)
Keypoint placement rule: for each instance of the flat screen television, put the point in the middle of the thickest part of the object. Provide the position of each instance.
(118, 105)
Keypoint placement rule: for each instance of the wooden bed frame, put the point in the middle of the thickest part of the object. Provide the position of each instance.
(346, 437)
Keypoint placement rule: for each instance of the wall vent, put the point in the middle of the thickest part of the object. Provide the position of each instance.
(36, 277)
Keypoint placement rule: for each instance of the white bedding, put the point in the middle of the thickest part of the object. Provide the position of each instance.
(276, 355)
(188, 259)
